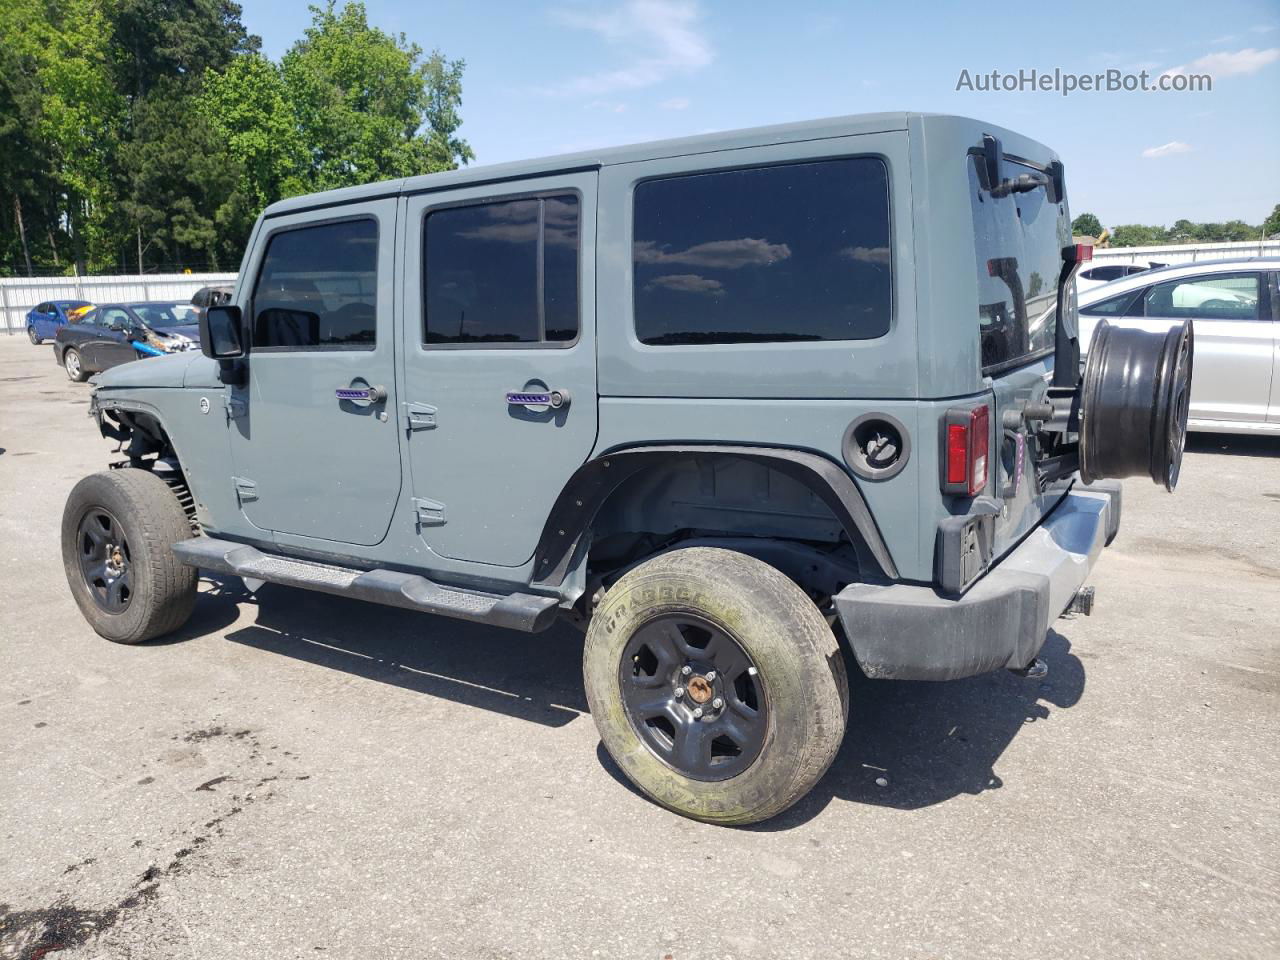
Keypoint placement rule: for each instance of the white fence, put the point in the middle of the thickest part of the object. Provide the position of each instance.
(1187, 252)
(20, 294)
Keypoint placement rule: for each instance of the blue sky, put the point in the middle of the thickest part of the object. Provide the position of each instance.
(554, 77)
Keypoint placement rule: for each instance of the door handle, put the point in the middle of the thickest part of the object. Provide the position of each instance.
(367, 394)
(555, 399)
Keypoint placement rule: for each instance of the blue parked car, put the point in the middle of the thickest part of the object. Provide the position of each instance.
(44, 319)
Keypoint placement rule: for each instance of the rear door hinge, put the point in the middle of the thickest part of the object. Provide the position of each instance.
(234, 407)
(429, 513)
(246, 489)
(419, 416)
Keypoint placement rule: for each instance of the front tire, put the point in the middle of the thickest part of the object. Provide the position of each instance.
(34, 337)
(118, 528)
(72, 364)
(716, 685)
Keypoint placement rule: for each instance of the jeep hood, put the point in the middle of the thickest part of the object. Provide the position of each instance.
(169, 370)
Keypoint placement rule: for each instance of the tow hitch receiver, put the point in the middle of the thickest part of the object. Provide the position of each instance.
(1082, 602)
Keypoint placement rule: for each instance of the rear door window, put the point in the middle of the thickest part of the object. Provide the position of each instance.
(317, 288)
(504, 272)
(1219, 297)
(793, 252)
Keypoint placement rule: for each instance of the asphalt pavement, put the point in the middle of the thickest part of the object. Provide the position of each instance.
(295, 775)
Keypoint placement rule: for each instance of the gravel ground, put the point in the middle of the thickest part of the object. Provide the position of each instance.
(302, 776)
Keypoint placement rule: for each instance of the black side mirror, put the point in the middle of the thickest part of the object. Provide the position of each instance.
(222, 333)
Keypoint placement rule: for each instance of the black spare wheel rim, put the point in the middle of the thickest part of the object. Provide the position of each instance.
(105, 560)
(1134, 403)
(694, 696)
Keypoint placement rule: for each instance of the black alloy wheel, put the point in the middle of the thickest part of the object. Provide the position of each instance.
(694, 697)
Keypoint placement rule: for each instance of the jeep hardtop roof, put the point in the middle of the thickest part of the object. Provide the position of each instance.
(594, 159)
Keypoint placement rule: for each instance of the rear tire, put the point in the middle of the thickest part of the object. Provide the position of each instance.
(71, 363)
(118, 528)
(750, 636)
(34, 337)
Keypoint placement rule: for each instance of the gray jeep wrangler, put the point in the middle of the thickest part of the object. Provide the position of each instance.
(732, 402)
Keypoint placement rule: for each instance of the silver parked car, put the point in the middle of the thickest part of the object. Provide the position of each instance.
(1235, 309)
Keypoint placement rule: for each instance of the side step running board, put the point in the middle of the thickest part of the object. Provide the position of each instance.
(517, 611)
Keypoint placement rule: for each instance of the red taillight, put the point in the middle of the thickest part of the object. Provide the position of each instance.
(1084, 251)
(968, 445)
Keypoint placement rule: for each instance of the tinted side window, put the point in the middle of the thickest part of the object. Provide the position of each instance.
(504, 272)
(795, 252)
(1223, 297)
(1116, 306)
(318, 288)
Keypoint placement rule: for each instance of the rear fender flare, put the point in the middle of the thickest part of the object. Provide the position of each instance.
(594, 482)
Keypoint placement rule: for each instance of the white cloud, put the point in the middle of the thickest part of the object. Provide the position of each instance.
(1224, 64)
(687, 283)
(1263, 28)
(675, 103)
(657, 39)
(716, 254)
(866, 254)
(1167, 149)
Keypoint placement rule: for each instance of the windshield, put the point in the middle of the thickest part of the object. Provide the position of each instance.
(161, 315)
(1018, 239)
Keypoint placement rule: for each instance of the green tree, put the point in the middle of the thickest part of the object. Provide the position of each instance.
(247, 106)
(1271, 226)
(1184, 231)
(58, 73)
(1086, 225)
(156, 39)
(1137, 235)
(369, 107)
(175, 171)
(179, 173)
(1235, 230)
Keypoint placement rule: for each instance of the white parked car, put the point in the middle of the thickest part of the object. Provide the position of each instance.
(1106, 272)
(1234, 306)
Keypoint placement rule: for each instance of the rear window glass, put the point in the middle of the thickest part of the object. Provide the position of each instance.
(795, 252)
(318, 288)
(1018, 241)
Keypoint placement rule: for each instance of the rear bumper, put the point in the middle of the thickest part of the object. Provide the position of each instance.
(906, 632)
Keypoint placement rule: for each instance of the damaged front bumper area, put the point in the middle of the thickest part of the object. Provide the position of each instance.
(908, 632)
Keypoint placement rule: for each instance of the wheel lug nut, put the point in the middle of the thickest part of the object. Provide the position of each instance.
(717, 703)
(686, 669)
(679, 692)
(697, 713)
(711, 674)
